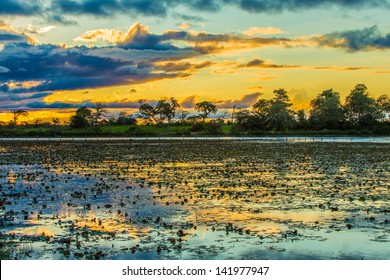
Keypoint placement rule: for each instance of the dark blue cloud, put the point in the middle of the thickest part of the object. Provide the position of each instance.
(4, 97)
(57, 10)
(264, 6)
(139, 38)
(8, 36)
(34, 71)
(20, 7)
(161, 7)
(111, 7)
(356, 40)
(54, 105)
(68, 69)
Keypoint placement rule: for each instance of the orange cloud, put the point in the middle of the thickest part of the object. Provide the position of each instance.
(184, 25)
(139, 37)
(257, 63)
(341, 68)
(109, 35)
(254, 31)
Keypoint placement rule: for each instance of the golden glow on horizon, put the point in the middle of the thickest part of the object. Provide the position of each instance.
(221, 71)
(41, 115)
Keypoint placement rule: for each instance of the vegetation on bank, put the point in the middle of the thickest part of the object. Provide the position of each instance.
(360, 114)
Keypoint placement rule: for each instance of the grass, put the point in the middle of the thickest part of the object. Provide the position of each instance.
(173, 130)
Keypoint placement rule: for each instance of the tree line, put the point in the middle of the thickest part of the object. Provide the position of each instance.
(360, 111)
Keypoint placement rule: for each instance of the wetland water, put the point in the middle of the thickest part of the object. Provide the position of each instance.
(194, 200)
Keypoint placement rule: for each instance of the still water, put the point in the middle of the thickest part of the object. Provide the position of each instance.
(195, 200)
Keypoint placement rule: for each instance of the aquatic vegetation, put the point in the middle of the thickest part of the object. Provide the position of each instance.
(194, 200)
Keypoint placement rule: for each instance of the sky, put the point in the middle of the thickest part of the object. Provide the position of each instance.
(57, 55)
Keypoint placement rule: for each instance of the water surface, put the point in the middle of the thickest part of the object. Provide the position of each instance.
(195, 200)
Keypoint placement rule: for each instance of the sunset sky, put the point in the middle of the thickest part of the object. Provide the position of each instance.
(58, 55)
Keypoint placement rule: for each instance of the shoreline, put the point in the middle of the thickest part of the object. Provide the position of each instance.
(327, 139)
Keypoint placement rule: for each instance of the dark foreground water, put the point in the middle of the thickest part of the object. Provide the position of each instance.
(194, 200)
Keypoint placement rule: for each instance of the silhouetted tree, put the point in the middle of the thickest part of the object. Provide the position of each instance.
(82, 118)
(125, 119)
(261, 110)
(205, 108)
(361, 109)
(99, 112)
(17, 113)
(326, 111)
(246, 120)
(147, 111)
(166, 109)
(280, 117)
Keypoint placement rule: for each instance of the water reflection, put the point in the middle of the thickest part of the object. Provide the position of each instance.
(152, 200)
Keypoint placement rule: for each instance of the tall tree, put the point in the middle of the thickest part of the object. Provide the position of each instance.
(82, 118)
(205, 109)
(99, 112)
(17, 113)
(260, 114)
(280, 115)
(147, 111)
(166, 109)
(326, 111)
(361, 109)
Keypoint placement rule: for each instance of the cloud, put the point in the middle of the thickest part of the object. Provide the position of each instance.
(300, 98)
(38, 30)
(109, 35)
(351, 68)
(74, 68)
(8, 34)
(20, 7)
(58, 10)
(255, 31)
(110, 7)
(138, 37)
(277, 6)
(190, 18)
(255, 87)
(185, 25)
(22, 97)
(7, 37)
(245, 101)
(189, 102)
(43, 105)
(257, 63)
(183, 66)
(136, 57)
(365, 39)
(206, 43)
